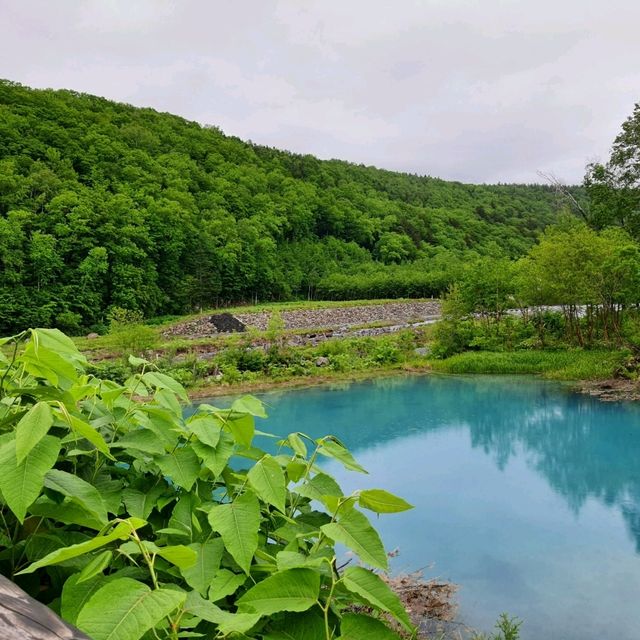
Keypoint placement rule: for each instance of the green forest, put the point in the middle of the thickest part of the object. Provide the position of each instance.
(104, 206)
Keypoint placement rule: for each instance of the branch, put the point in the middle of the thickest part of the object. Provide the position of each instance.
(562, 189)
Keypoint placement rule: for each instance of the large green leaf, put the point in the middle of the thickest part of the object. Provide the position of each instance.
(182, 466)
(332, 448)
(161, 422)
(95, 566)
(242, 428)
(206, 428)
(250, 405)
(76, 594)
(294, 560)
(183, 514)
(110, 489)
(144, 440)
(208, 555)
(358, 626)
(238, 523)
(225, 584)
(226, 621)
(267, 480)
(180, 555)
(78, 491)
(163, 381)
(55, 340)
(382, 501)
(168, 400)
(374, 590)
(67, 512)
(86, 431)
(215, 459)
(47, 364)
(120, 532)
(125, 609)
(297, 444)
(291, 590)
(22, 482)
(33, 426)
(319, 486)
(308, 625)
(141, 503)
(354, 531)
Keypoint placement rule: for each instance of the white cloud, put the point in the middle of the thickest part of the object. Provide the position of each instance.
(478, 91)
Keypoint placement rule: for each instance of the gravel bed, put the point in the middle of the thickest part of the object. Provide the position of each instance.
(341, 318)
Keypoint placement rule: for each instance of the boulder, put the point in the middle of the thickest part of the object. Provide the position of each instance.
(226, 323)
(322, 361)
(422, 351)
(92, 336)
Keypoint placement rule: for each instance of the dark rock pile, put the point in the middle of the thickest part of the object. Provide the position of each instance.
(226, 323)
(206, 326)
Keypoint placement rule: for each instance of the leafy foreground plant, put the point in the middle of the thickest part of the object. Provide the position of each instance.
(133, 521)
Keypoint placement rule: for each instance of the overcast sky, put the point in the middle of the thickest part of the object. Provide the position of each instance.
(484, 91)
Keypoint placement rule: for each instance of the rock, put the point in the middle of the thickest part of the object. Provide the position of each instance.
(92, 336)
(422, 351)
(226, 323)
(322, 361)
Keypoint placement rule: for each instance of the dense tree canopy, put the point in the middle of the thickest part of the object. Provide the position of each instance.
(614, 187)
(106, 205)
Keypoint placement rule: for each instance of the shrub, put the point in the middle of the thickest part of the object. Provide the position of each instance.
(128, 335)
(134, 521)
(69, 322)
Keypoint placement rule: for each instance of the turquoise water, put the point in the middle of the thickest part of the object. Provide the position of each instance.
(526, 495)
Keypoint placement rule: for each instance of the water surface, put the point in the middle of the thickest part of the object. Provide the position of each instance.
(526, 495)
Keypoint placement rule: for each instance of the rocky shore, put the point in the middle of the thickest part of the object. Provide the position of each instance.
(613, 390)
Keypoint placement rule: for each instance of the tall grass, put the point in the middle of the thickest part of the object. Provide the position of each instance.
(572, 364)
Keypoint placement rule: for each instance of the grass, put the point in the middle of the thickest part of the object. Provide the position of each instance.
(574, 364)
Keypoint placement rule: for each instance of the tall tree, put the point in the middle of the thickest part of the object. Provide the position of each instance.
(614, 187)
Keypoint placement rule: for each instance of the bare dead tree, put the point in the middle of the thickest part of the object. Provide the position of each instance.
(563, 190)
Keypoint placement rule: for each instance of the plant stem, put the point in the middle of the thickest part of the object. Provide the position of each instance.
(327, 605)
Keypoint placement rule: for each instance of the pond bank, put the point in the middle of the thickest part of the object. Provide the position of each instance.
(590, 371)
(612, 390)
(257, 386)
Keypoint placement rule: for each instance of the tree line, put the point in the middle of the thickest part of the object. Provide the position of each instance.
(106, 206)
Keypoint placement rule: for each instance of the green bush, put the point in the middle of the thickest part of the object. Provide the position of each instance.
(69, 322)
(128, 335)
(135, 521)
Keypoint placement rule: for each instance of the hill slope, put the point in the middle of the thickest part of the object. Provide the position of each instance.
(103, 204)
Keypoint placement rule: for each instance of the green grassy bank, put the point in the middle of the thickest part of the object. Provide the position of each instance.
(571, 364)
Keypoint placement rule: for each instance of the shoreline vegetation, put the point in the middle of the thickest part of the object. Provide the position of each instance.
(567, 310)
(332, 352)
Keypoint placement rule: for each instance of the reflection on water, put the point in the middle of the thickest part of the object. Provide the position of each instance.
(526, 494)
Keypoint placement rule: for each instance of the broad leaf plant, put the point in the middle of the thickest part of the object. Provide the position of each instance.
(133, 519)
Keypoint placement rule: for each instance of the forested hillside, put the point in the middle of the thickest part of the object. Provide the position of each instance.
(105, 205)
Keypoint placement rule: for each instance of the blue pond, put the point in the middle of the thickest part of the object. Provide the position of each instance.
(526, 495)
